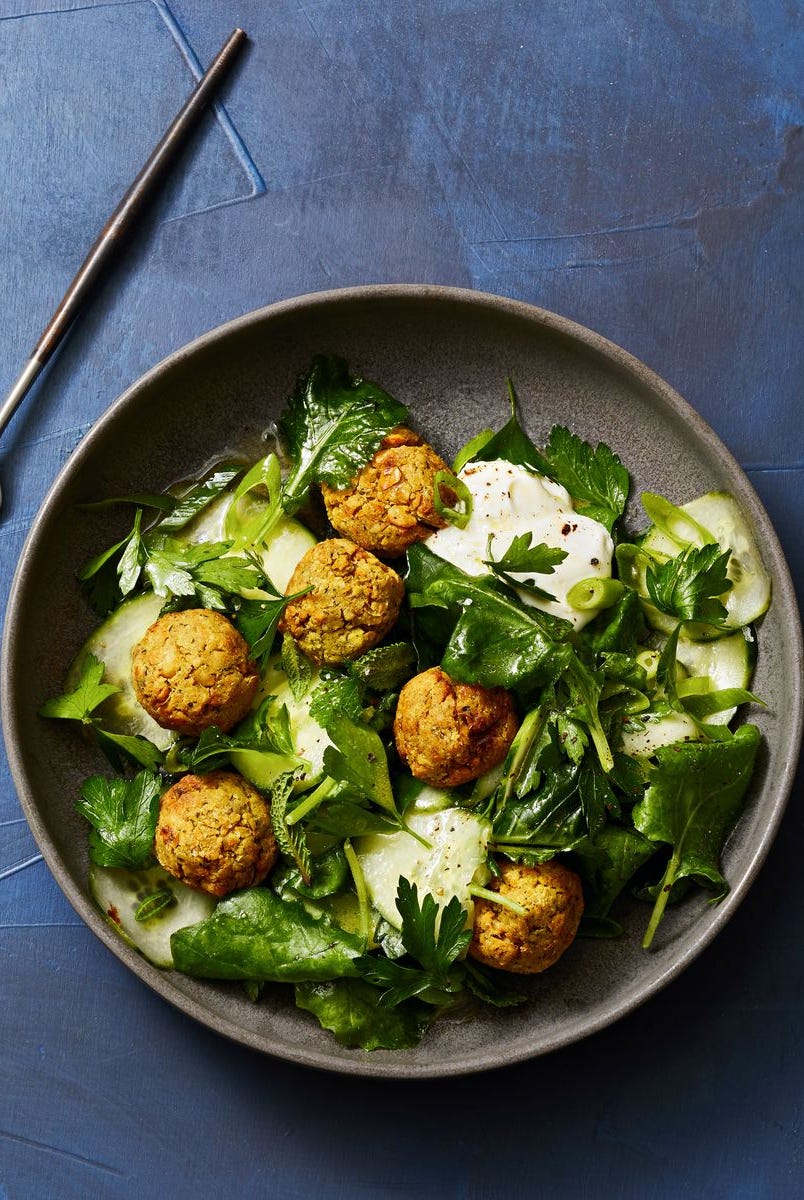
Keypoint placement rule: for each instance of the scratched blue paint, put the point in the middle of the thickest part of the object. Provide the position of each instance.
(635, 167)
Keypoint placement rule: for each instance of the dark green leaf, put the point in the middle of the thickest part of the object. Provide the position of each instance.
(337, 694)
(349, 1009)
(695, 796)
(298, 669)
(595, 478)
(254, 935)
(610, 864)
(123, 815)
(385, 668)
(521, 557)
(120, 747)
(257, 620)
(332, 426)
(621, 628)
(87, 695)
(690, 585)
(357, 757)
(511, 443)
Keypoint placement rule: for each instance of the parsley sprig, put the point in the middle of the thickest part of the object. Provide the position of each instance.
(434, 943)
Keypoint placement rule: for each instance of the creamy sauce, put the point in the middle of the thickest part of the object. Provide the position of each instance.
(508, 500)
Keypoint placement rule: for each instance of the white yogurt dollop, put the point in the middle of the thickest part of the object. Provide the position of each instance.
(508, 500)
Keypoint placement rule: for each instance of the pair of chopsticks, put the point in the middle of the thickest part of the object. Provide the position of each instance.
(106, 246)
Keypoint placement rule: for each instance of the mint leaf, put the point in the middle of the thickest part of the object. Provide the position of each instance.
(88, 694)
(332, 425)
(123, 815)
(594, 477)
(689, 586)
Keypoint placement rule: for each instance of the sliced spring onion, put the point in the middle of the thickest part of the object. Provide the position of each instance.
(594, 593)
(458, 515)
(682, 528)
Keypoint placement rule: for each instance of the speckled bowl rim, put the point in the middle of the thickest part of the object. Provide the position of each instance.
(374, 1065)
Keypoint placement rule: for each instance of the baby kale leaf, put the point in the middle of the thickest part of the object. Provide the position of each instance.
(694, 798)
(434, 979)
(594, 477)
(521, 557)
(123, 815)
(332, 425)
(690, 585)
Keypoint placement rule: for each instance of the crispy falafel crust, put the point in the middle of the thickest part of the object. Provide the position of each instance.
(353, 604)
(450, 733)
(390, 503)
(214, 833)
(191, 669)
(525, 945)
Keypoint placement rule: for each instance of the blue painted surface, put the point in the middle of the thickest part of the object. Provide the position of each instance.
(637, 168)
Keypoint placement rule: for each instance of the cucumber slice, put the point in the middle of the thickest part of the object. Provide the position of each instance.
(309, 739)
(112, 643)
(118, 893)
(660, 729)
(728, 662)
(719, 514)
(455, 859)
(287, 541)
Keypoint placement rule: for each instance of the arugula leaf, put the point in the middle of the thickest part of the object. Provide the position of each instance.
(254, 935)
(87, 695)
(595, 478)
(621, 628)
(694, 798)
(123, 815)
(520, 557)
(689, 586)
(332, 425)
(349, 1009)
(433, 980)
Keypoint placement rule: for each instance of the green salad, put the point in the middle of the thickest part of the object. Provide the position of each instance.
(396, 732)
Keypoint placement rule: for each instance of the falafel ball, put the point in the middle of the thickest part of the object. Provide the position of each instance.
(450, 733)
(354, 602)
(214, 833)
(192, 669)
(552, 896)
(389, 505)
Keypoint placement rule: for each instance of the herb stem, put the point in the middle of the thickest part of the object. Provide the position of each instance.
(665, 888)
(360, 889)
(316, 797)
(482, 893)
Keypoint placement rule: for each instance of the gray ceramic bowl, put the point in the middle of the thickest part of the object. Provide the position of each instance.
(446, 353)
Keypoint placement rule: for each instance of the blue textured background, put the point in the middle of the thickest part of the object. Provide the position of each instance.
(635, 167)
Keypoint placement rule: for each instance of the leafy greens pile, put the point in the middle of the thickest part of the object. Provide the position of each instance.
(652, 825)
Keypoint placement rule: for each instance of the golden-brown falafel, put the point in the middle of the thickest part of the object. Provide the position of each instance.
(449, 733)
(214, 833)
(192, 669)
(353, 604)
(390, 504)
(552, 896)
